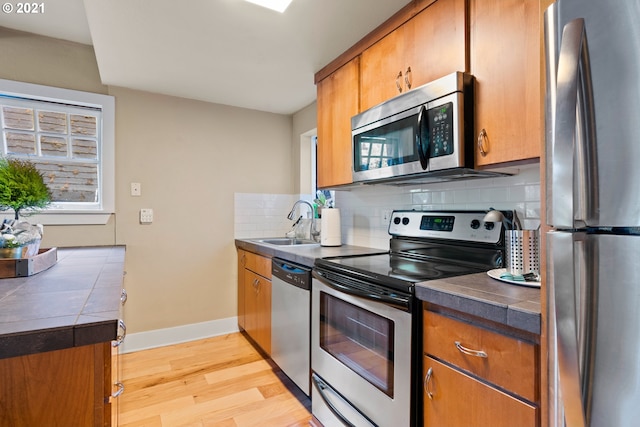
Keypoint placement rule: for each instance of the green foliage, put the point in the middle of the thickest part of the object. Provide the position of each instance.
(22, 186)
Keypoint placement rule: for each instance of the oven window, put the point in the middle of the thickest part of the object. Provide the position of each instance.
(360, 339)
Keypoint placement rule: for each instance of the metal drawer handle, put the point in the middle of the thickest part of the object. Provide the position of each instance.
(469, 352)
(482, 138)
(118, 392)
(120, 339)
(427, 383)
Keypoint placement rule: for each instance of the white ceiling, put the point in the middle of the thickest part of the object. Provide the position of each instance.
(224, 51)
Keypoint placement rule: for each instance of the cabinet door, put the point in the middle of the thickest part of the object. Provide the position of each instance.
(438, 46)
(382, 69)
(452, 398)
(338, 101)
(430, 45)
(263, 304)
(66, 387)
(505, 60)
(257, 294)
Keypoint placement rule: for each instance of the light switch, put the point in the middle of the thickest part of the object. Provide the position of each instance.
(146, 216)
(136, 189)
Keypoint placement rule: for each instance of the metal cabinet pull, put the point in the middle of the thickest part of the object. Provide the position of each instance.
(120, 339)
(117, 392)
(483, 143)
(427, 383)
(407, 78)
(469, 352)
(123, 296)
(399, 81)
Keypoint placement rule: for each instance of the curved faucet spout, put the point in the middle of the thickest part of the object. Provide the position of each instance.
(291, 215)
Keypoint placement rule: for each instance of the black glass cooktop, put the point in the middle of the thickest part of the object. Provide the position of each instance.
(394, 270)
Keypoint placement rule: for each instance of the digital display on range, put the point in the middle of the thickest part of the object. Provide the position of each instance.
(437, 223)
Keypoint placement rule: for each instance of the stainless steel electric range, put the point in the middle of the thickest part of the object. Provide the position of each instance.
(365, 319)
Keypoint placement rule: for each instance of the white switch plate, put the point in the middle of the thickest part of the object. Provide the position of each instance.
(146, 216)
(136, 189)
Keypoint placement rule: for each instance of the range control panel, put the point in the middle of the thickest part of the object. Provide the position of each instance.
(466, 226)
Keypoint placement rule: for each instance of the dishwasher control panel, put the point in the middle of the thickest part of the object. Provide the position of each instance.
(292, 273)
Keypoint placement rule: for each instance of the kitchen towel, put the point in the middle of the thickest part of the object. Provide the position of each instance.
(330, 228)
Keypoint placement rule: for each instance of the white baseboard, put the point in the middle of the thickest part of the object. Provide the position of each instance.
(179, 334)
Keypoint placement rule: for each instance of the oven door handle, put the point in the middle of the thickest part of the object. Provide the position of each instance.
(399, 302)
(323, 389)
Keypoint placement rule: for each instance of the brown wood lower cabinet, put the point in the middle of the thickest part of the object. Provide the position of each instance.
(69, 387)
(458, 399)
(475, 376)
(254, 298)
(257, 309)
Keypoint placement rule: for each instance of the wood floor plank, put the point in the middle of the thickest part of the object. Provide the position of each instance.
(221, 381)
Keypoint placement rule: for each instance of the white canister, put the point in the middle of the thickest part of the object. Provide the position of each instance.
(330, 228)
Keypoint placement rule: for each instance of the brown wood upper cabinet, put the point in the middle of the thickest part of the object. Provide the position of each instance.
(505, 47)
(338, 101)
(426, 47)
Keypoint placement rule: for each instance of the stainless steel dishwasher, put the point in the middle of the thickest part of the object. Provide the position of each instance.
(291, 321)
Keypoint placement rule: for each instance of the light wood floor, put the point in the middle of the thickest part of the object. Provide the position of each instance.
(221, 381)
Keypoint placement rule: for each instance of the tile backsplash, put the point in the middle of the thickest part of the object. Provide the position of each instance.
(264, 215)
(363, 208)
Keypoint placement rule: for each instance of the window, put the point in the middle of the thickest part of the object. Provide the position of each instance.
(69, 136)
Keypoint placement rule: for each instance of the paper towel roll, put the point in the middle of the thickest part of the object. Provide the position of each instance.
(330, 228)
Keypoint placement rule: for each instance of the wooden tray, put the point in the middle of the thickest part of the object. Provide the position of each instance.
(22, 267)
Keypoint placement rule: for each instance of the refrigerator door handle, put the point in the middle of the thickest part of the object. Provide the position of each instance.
(572, 327)
(573, 145)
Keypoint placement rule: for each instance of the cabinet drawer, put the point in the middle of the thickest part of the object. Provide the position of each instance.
(258, 264)
(509, 363)
(457, 399)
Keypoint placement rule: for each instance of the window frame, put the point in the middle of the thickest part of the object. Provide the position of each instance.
(106, 103)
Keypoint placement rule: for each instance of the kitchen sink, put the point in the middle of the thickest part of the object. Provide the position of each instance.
(285, 241)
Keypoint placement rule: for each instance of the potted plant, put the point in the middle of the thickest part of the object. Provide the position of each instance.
(22, 189)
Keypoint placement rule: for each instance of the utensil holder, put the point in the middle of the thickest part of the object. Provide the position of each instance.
(523, 251)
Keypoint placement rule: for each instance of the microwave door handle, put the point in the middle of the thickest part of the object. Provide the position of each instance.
(423, 146)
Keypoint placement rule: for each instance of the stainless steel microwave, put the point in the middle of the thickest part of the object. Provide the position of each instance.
(424, 133)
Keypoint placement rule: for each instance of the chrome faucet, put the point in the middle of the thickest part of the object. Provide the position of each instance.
(293, 209)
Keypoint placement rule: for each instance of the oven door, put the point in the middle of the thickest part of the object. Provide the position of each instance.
(361, 359)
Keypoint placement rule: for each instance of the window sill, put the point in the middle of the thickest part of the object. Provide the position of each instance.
(66, 218)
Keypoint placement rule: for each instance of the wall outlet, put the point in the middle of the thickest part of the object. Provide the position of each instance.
(146, 216)
(385, 217)
(136, 189)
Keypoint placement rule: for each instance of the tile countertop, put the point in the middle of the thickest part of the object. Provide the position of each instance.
(75, 302)
(303, 255)
(481, 296)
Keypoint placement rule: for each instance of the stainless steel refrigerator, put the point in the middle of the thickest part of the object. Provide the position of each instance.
(593, 210)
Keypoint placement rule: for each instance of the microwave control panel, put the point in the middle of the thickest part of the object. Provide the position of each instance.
(441, 129)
